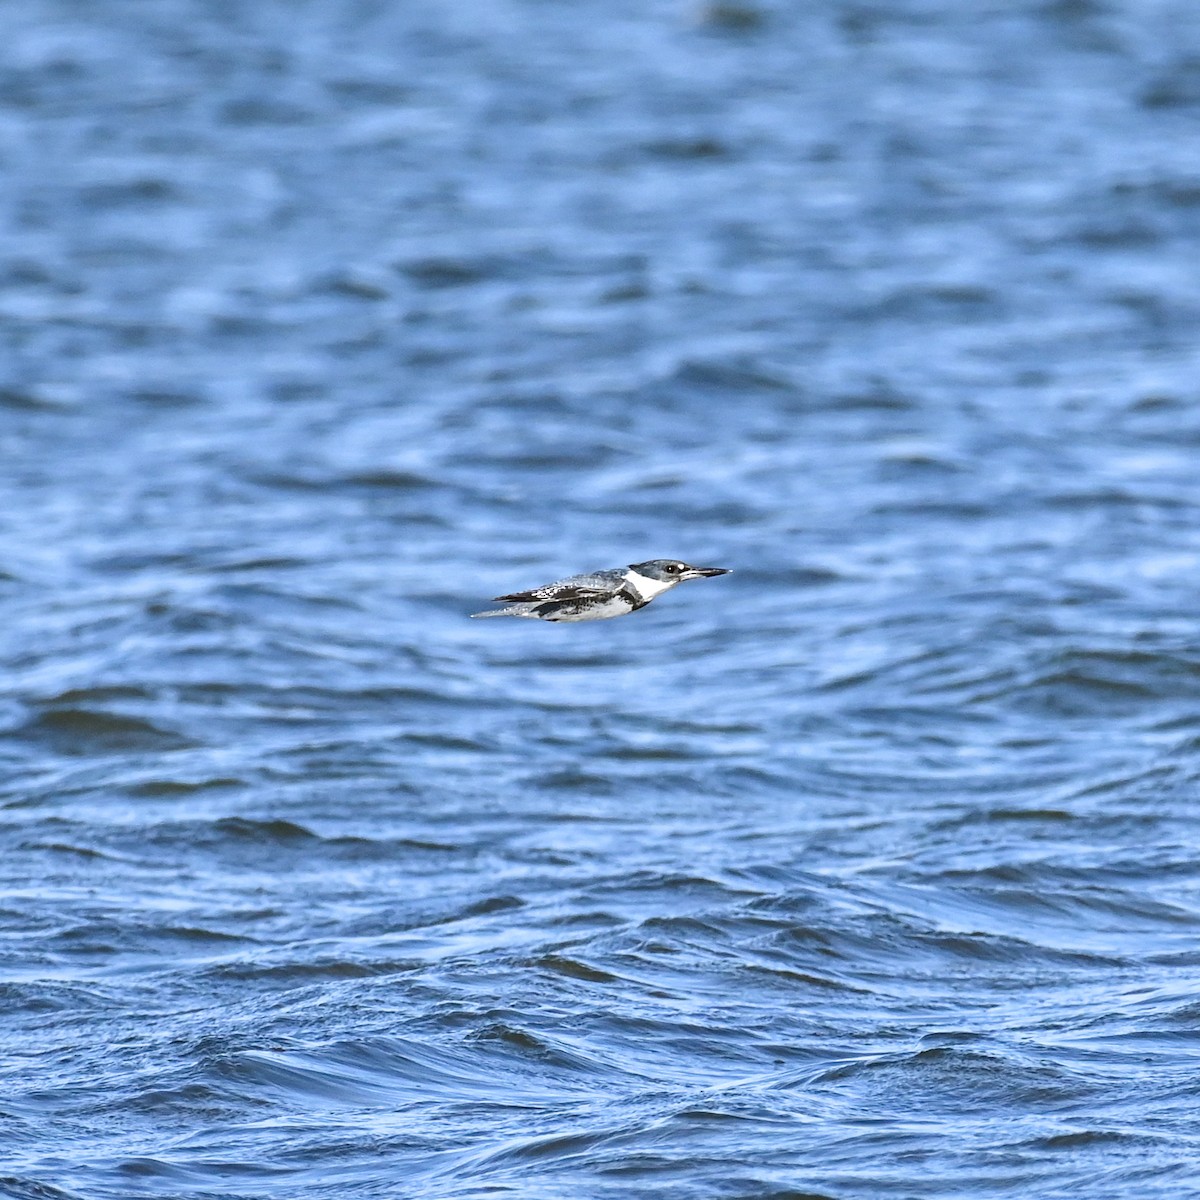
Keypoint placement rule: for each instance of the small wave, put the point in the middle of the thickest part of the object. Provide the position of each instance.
(964, 1079)
(78, 851)
(702, 147)
(449, 272)
(164, 788)
(793, 978)
(542, 1149)
(733, 17)
(573, 968)
(43, 996)
(1079, 682)
(275, 830)
(14, 1187)
(74, 731)
(727, 375)
(553, 1055)
(299, 973)
(1084, 1138)
(27, 399)
(383, 1070)
(1001, 815)
(391, 480)
(572, 779)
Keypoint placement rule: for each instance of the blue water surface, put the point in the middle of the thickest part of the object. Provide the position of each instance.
(870, 870)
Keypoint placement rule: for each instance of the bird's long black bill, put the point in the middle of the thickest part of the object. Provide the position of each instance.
(707, 571)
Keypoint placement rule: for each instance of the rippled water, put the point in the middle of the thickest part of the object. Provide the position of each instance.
(870, 870)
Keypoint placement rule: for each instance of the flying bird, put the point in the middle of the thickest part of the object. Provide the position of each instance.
(602, 594)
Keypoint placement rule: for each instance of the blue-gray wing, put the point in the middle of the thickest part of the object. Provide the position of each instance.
(574, 587)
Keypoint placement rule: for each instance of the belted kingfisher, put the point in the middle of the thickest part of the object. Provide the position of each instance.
(601, 595)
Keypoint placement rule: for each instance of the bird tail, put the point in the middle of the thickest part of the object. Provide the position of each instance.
(513, 610)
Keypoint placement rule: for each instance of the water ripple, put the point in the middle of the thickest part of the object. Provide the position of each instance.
(870, 869)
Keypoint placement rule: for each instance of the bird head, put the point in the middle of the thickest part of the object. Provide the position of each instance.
(671, 570)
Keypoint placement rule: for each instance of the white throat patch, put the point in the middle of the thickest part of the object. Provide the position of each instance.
(648, 588)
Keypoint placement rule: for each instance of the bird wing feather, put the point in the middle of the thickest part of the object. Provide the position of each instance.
(574, 587)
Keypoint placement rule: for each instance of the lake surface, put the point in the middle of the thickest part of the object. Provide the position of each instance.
(870, 870)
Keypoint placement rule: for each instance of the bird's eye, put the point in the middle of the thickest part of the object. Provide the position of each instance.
(674, 568)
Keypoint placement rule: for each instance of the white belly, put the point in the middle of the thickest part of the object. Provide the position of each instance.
(593, 611)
